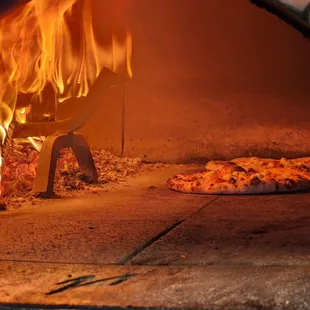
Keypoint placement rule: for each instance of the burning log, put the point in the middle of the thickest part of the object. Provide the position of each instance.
(105, 80)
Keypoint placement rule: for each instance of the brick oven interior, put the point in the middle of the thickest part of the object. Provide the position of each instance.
(211, 80)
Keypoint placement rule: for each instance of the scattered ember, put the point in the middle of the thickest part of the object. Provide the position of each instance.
(20, 164)
(110, 169)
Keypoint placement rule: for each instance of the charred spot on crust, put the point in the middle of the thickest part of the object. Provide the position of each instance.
(238, 169)
(231, 181)
(275, 183)
(230, 163)
(178, 186)
(302, 167)
(251, 170)
(255, 181)
(180, 175)
(194, 189)
(290, 184)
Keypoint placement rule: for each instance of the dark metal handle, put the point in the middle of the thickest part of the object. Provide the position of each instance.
(105, 80)
(283, 12)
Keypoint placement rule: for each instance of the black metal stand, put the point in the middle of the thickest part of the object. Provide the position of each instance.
(51, 147)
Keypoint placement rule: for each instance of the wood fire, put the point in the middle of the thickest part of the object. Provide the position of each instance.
(50, 44)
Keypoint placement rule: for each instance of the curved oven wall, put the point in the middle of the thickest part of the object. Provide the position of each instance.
(212, 79)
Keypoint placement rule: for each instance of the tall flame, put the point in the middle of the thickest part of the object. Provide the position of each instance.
(37, 48)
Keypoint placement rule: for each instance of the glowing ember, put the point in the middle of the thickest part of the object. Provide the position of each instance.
(38, 48)
(20, 166)
(19, 172)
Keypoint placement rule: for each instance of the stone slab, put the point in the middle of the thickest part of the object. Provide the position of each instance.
(98, 228)
(217, 287)
(239, 230)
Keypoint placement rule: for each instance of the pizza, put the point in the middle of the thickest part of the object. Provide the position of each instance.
(247, 175)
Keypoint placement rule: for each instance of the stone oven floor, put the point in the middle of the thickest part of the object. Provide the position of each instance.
(142, 245)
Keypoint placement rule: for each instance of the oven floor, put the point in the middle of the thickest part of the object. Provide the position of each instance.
(142, 245)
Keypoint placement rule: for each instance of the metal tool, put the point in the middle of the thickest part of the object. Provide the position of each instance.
(298, 21)
(60, 134)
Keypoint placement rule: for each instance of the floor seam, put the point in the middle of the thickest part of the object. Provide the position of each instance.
(210, 264)
(148, 243)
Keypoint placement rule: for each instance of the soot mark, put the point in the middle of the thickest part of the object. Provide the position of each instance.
(89, 280)
(258, 231)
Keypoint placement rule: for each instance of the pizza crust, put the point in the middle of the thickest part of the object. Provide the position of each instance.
(244, 176)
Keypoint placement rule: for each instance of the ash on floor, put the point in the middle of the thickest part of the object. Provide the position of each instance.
(20, 166)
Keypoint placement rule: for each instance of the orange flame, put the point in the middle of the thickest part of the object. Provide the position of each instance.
(37, 48)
